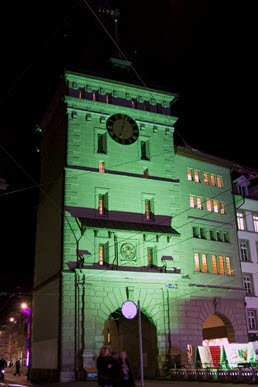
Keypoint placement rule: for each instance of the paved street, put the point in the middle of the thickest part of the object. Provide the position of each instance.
(16, 381)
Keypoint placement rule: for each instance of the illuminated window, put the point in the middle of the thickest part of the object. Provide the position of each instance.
(196, 177)
(189, 174)
(213, 180)
(252, 321)
(150, 256)
(215, 206)
(214, 264)
(108, 98)
(244, 251)
(209, 205)
(101, 255)
(147, 209)
(102, 167)
(204, 263)
(220, 182)
(192, 201)
(222, 208)
(206, 178)
(103, 204)
(221, 265)
(197, 262)
(255, 220)
(248, 284)
(228, 266)
(94, 95)
(199, 203)
(240, 221)
(108, 336)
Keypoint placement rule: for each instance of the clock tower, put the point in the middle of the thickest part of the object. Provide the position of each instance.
(108, 157)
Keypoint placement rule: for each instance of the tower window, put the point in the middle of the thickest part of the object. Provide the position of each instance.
(102, 143)
(145, 150)
(103, 204)
(101, 254)
(102, 167)
(150, 256)
(146, 173)
(147, 209)
(221, 265)
(204, 263)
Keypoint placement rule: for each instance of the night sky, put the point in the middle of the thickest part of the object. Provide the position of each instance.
(203, 50)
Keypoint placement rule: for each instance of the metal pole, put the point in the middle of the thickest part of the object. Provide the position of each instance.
(140, 341)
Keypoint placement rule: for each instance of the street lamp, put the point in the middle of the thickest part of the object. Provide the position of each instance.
(24, 305)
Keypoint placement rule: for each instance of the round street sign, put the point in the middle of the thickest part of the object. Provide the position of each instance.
(129, 310)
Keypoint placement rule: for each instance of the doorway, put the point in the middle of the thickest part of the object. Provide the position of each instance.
(121, 334)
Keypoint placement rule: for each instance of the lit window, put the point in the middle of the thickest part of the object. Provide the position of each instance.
(215, 206)
(222, 208)
(240, 221)
(150, 256)
(214, 264)
(228, 266)
(204, 263)
(255, 220)
(213, 180)
(192, 201)
(206, 178)
(101, 254)
(221, 265)
(248, 284)
(103, 207)
(102, 167)
(146, 173)
(244, 251)
(147, 209)
(94, 95)
(252, 322)
(196, 177)
(197, 262)
(220, 182)
(199, 203)
(209, 206)
(189, 174)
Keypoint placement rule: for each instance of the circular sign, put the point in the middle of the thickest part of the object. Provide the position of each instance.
(129, 310)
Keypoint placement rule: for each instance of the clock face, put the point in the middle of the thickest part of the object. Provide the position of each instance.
(122, 129)
(128, 251)
(129, 310)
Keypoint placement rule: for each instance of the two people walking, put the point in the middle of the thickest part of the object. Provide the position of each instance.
(114, 370)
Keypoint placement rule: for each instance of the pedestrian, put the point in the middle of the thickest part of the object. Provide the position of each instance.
(115, 374)
(3, 365)
(104, 365)
(126, 375)
(17, 368)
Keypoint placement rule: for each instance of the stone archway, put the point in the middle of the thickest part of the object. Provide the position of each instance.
(217, 326)
(121, 334)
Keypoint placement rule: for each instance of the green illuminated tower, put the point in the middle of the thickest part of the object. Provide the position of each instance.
(114, 225)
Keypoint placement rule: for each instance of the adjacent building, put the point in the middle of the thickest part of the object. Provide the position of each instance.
(127, 216)
(247, 220)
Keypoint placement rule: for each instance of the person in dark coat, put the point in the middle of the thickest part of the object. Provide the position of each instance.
(17, 367)
(126, 375)
(104, 365)
(115, 370)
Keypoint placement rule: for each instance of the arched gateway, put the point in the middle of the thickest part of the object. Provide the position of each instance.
(217, 328)
(121, 334)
